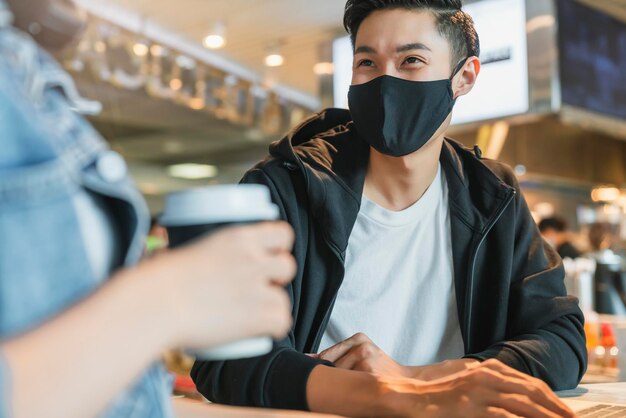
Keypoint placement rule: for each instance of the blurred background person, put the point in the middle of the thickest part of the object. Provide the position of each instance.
(555, 231)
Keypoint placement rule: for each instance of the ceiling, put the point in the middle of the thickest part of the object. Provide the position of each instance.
(252, 26)
(153, 134)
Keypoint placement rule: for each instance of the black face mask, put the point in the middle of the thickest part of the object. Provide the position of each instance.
(398, 117)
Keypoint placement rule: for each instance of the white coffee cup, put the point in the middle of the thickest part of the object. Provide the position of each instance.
(193, 213)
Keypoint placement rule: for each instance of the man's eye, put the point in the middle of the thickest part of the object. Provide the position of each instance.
(413, 60)
(365, 63)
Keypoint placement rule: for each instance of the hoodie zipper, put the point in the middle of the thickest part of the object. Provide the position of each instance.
(293, 166)
(470, 285)
(324, 324)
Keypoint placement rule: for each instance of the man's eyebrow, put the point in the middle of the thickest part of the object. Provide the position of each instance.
(365, 50)
(404, 48)
(413, 46)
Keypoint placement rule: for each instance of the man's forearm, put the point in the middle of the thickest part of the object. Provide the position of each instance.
(439, 370)
(358, 394)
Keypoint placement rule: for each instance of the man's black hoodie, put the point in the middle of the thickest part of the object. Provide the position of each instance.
(511, 297)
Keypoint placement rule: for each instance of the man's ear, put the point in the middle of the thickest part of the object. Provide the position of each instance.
(463, 82)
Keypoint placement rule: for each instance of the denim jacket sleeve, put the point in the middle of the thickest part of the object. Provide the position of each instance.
(47, 154)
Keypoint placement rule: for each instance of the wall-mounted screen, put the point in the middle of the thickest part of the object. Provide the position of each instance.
(592, 61)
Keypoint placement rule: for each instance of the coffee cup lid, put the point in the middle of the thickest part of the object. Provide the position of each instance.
(219, 204)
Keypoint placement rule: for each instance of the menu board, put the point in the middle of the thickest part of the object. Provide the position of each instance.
(592, 59)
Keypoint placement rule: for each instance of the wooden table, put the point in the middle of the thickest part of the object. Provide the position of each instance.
(604, 393)
(186, 408)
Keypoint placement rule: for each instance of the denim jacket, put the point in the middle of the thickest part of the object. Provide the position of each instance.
(48, 153)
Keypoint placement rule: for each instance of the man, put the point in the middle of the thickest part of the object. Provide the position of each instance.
(554, 231)
(407, 237)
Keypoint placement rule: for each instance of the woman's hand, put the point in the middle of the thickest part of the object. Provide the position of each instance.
(228, 286)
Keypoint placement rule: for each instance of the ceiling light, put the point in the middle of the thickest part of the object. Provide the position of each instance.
(216, 39)
(157, 50)
(192, 171)
(176, 84)
(141, 49)
(324, 68)
(274, 60)
(605, 194)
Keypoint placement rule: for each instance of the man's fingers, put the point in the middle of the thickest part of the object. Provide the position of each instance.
(349, 361)
(334, 353)
(512, 385)
(523, 406)
(493, 412)
(536, 388)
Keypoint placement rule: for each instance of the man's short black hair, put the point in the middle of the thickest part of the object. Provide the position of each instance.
(453, 23)
(555, 223)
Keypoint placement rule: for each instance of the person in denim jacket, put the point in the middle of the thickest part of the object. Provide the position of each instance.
(82, 324)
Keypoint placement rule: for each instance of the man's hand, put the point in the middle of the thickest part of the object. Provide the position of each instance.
(490, 389)
(361, 354)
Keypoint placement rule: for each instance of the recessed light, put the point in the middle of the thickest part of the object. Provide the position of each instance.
(274, 60)
(192, 171)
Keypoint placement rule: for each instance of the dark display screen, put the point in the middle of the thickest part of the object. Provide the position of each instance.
(592, 49)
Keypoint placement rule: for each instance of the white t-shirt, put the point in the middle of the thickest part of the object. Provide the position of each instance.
(399, 283)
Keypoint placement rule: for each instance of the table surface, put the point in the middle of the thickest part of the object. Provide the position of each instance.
(186, 408)
(601, 392)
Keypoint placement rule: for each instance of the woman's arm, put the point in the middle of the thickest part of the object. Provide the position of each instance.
(223, 288)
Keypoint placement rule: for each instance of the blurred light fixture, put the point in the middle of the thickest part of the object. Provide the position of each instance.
(605, 194)
(100, 47)
(274, 58)
(197, 103)
(520, 170)
(141, 49)
(157, 50)
(216, 39)
(544, 210)
(192, 171)
(176, 84)
(324, 68)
